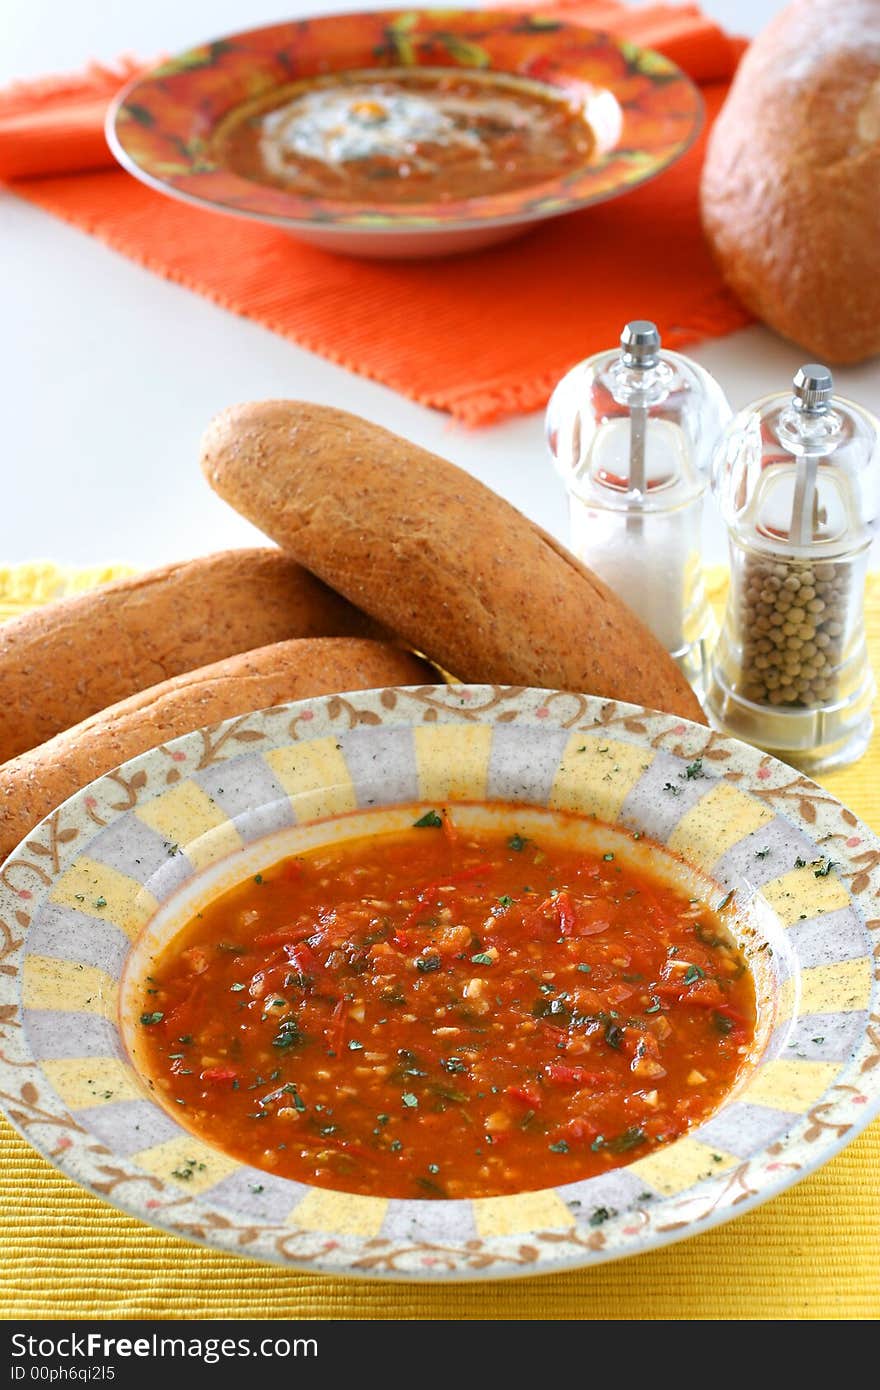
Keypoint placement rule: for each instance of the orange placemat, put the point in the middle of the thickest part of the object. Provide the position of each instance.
(811, 1253)
(481, 336)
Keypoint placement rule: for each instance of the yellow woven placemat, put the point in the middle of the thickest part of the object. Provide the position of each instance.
(813, 1252)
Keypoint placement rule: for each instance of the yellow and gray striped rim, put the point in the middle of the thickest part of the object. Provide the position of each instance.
(79, 891)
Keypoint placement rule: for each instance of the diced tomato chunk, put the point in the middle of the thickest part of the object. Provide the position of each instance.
(704, 994)
(282, 936)
(526, 1094)
(580, 1130)
(561, 1074)
(218, 1074)
(562, 908)
(593, 918)
(304, 958)
(452, 940)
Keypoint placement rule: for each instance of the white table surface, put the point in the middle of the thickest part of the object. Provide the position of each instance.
(110, 373)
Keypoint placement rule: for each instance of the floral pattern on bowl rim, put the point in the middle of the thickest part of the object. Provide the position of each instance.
(648, 111)
(77, 892)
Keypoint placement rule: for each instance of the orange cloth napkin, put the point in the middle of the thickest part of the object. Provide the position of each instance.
(481, 336)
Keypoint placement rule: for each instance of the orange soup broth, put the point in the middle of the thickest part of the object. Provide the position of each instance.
(406, 136)
(437, 1013)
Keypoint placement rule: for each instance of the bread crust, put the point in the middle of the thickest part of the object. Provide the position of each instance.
(425, 548)
(790, 191)
(37, 781)
(67, 660)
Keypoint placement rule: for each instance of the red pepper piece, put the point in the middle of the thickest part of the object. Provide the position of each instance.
(304, 958)
(466, 875)
(430, 890)
(283, 935)
(727, 1012)
(218, 1074)
(559, 1033)
(581, 1130)
(562, 908)
(335, 1031)
(705, 994)
(526, 1094)
(561, 1074)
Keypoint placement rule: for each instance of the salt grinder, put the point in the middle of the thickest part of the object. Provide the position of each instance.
(796, 477)
(631, 431)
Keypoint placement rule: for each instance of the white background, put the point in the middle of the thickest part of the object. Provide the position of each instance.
(109, 373)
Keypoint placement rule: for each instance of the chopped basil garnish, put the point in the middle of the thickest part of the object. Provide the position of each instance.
(629, 1139)
(428, 963)
(288, 1035)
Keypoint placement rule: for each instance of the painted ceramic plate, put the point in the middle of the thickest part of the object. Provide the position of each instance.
(77, 895)
(644, 113)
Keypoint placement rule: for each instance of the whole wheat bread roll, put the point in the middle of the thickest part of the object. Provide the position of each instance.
(33, 784)
(67, 660)
(428, 550)
(791, 182)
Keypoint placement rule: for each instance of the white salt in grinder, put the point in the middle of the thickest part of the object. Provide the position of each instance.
(631, 432)
(797, 477)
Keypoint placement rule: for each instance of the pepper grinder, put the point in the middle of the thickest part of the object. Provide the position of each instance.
(631, 431)
(796, 477)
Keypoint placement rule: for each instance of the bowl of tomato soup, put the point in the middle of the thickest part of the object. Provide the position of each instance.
(453, 1002)
(531, 978)
(405, 132)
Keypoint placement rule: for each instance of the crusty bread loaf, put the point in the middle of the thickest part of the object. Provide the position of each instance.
(428, 550)
(791, 183)
(65, 661)
(37, 781)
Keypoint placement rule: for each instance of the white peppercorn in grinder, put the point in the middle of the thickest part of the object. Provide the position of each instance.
(631, 431)
(796, 476)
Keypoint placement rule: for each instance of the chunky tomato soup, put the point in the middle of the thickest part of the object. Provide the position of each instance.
(440, 1013)
(405, 136)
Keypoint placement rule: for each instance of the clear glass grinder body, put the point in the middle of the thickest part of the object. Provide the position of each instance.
(631, 432)
(796, 477)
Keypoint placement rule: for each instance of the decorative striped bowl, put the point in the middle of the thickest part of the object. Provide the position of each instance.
(76, 897)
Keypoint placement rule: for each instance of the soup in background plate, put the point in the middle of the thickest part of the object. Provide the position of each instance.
(406, 136)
